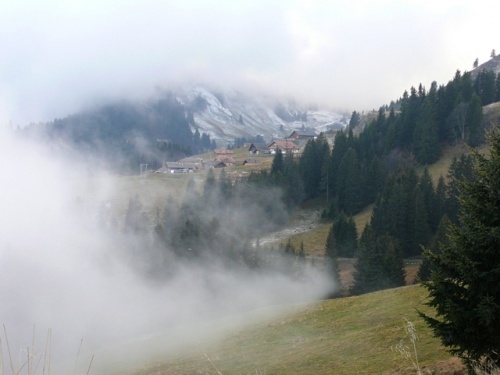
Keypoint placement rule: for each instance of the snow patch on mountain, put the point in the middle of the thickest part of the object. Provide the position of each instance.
(226, 115)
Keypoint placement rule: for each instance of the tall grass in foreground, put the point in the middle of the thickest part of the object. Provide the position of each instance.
(411, 353)
(485, 368)
(30, 360)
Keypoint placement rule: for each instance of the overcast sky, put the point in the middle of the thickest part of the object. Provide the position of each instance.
(59, 55)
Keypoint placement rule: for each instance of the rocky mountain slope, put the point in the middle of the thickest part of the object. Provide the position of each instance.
(492, 64)
(231, 114)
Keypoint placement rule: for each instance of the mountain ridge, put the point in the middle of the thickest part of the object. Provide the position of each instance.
(230, 114)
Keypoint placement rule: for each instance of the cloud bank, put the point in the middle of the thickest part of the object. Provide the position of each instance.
(58, 56)
(61, 271)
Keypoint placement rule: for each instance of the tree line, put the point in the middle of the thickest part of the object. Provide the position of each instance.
(219, 222)
(123, 135)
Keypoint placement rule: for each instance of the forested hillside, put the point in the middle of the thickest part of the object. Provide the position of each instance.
(122, 135)
(381, 164)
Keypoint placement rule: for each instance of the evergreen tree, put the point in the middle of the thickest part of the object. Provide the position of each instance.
(422, 233)
(380, 263)
(474, 121)
(430, 200)
(395, 211)
(410, 108)
(394, 274)
(278, 163)
(343, 237)
(438, 211)
(374, 179)
(440, 238)
(366, 268)
(354, 121)
(485, 86)
(340, 147)
(349, 183)
(311, 165)
(460, 170)
(294, 187)
(497, 97)
(425, 136)
(465, 288)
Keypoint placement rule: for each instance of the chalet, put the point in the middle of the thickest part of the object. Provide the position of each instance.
(215, 164)
(305, 135)
(284, 145)
(222, 152)
(258, 149)
(195, 162)
(227, 160)
(178, 167)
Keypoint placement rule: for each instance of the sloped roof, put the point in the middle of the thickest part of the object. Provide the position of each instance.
(305, 133)
(178, 165)
(257, 146)
(284, 144)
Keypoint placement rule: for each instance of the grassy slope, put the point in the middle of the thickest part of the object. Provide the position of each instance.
(344, 336)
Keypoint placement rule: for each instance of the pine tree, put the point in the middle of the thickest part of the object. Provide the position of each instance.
(354, 121)
(278, 163)
(460, 170)
(438, 210)
(366, 272)
(485, 86)
(440, 238)
(349, 183)
(474, 121)
(425, 135)
(394, 274)
(497, 97)
(380, 263)
(430, 200)
(343, 236)
(465, 288)
(422, 234)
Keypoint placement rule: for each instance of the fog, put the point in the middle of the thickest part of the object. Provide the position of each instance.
(60, 271)
(59, 56)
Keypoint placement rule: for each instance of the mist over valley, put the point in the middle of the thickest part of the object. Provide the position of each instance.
(273, 187)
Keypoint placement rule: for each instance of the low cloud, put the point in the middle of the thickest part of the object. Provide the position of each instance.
(62, 272)
(60, 56)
